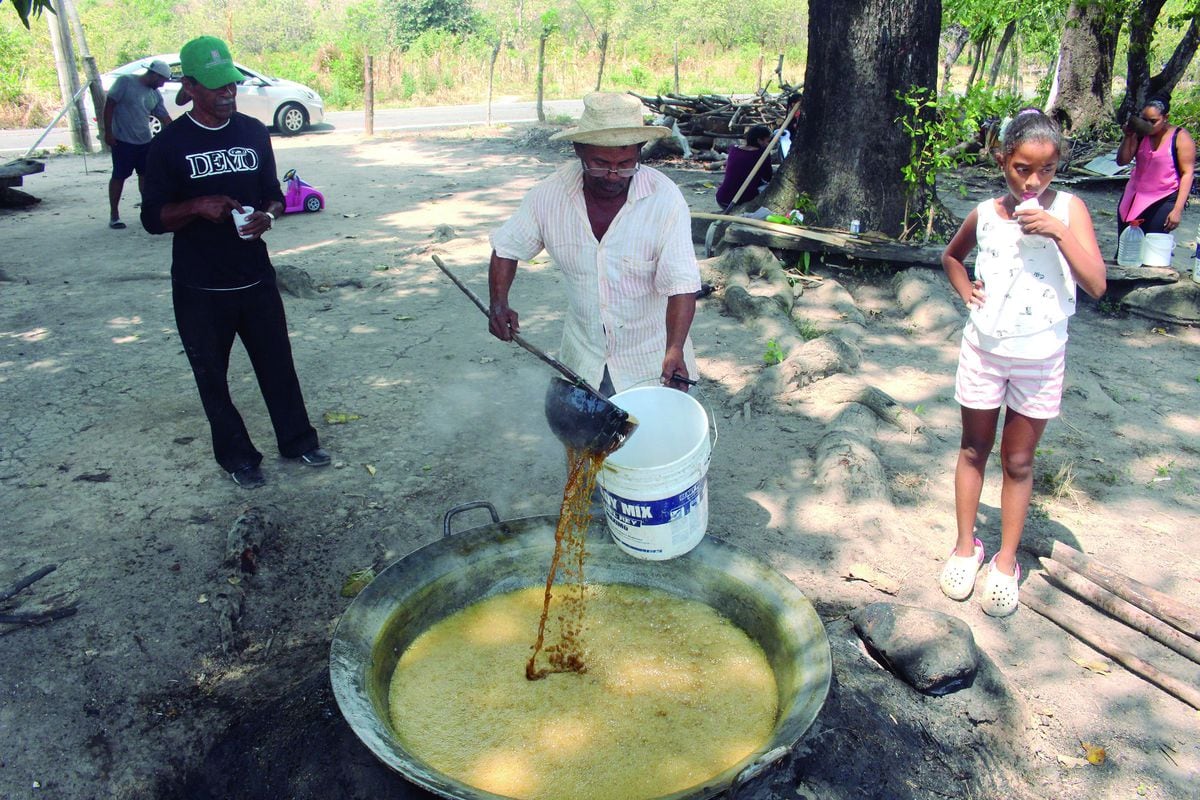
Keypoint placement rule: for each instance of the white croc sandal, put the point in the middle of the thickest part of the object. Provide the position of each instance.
(958, 575)
(999, 598)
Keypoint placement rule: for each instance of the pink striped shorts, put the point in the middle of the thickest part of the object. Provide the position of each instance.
(1032, 387)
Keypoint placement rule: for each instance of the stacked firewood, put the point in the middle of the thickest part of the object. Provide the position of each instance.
(705, 118)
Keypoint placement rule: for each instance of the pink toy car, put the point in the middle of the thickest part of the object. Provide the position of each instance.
(299, 195)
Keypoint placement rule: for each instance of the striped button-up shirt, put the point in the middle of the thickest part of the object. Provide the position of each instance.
(617, 288)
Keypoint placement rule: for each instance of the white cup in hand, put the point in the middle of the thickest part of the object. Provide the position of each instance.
(239, 219)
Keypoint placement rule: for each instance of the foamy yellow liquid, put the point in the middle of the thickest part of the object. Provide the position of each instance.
(674, 694)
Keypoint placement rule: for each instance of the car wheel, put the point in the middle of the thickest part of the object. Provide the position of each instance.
(155, 126)
(290, 119)
(312, 203)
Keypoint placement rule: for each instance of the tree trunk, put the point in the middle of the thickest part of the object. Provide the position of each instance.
(998, 61)
(977, 61)
(1085, 67)
(603, 58)
(1139, 83)
(848, 151)
(956, 39)
(541, 74)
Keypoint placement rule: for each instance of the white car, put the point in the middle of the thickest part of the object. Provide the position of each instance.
(287, 106)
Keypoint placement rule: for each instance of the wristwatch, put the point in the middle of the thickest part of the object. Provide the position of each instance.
(269, 214)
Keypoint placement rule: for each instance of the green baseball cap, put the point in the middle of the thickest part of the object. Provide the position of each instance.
(206, 59)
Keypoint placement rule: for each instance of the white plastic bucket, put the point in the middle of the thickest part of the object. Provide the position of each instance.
(1157, 249)
(655, 487)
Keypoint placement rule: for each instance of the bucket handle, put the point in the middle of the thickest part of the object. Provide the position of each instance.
(467, 507)
(712, 418)
(756, 768)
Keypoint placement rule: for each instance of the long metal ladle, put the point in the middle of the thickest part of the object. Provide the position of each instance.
(579, 416)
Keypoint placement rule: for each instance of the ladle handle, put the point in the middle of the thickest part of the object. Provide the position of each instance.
(571, 375)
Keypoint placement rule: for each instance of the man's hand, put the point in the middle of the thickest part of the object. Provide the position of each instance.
(255, 225)
(503, 322)
(213, 207)
(109, 139)
(673, 365)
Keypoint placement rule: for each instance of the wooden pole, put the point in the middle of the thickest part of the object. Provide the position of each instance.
(758, 82)
(491, 77)
(603, 58)
(1162, 606)
(369, 95)
(1035, 594)
(541, 74)
(676, 66)
(95, 87)
(68, 79)
(1122, 610)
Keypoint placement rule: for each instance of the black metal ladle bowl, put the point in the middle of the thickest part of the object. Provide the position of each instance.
(584, 420)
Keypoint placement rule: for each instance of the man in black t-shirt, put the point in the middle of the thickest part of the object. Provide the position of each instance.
(211, 162)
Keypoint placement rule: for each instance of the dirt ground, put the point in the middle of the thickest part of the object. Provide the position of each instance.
(106, 471)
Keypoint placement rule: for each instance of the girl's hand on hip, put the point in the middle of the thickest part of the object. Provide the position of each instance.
(977, 295)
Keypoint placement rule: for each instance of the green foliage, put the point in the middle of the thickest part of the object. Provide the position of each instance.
(411, 18)
(1185, 108)
(809, 330)
(937, 128)
(774, 353)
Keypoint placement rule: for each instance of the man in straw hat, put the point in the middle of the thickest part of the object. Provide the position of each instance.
(621, 235)
(127, 110)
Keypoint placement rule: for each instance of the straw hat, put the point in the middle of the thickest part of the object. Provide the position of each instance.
(611, 120)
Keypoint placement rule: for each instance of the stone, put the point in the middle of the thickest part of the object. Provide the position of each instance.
(930, 651)
(1177, 303)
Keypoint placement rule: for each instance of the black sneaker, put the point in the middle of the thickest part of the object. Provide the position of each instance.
(248, 477)
(316, 458)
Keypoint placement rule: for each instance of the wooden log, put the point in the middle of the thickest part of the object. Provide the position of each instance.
(1161, 605)
(1122, 610)
(37, 617)
(28, 580)
(1036, 594)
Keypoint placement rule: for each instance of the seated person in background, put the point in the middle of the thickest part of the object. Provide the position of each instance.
(739, 164)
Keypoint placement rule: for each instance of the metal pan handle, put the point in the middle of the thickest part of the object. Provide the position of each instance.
(467, 507)
(756, 768)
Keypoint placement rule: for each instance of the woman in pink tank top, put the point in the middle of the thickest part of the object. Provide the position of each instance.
(1164, 165)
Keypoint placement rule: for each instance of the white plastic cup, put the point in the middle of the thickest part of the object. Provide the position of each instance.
(239, 219)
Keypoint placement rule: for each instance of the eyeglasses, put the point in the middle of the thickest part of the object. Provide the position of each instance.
(601, 172)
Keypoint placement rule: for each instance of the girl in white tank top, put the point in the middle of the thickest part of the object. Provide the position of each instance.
(1035, 246)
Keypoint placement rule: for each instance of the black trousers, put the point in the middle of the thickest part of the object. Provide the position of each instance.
(208, 322)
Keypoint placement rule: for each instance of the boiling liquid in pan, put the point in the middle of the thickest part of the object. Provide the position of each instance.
(673, 695)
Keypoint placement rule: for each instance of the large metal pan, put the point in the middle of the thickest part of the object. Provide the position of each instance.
(461, 569)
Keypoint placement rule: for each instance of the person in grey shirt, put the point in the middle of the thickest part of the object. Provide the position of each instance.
(132, 100)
